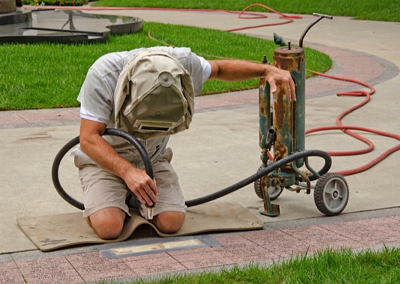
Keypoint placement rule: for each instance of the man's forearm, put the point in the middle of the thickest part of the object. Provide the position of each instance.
(237, 70)
(101, 152)
(240, 70)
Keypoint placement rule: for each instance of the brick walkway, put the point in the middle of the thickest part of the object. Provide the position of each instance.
(276, 241)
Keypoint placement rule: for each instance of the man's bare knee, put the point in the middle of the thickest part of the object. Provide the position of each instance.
(107, 223)
(169, 222)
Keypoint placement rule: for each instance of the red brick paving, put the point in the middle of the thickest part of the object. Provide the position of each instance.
(237, 248)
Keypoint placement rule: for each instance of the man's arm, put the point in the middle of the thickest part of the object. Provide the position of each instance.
(240, 70)
(98, 149)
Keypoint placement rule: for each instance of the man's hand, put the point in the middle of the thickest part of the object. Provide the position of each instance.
(240, 70)
(283, 78)
(141, 185)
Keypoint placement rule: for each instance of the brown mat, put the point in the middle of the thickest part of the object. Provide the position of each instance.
(64, 230)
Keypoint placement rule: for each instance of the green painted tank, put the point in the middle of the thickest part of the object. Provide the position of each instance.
(283, 128)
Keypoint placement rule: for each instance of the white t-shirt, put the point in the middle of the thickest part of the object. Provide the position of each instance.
(86, 114)
(97, 92)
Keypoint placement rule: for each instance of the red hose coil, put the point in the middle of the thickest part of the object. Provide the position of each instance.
(346, 129)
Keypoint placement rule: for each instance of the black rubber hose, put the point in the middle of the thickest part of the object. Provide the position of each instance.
(64, 150)
(54, 173)
(149, 169)
(265, 171)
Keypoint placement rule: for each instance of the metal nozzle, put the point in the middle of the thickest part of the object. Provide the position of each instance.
(271, 136)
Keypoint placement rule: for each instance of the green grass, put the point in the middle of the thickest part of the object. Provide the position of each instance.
(26, 84)
(376, 10)
(37, 76)
(328, 267)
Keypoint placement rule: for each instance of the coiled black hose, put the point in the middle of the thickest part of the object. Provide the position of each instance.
(149, 170)
(64, 150)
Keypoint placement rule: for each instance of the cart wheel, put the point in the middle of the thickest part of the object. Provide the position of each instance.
(273, 191)
(331, 194)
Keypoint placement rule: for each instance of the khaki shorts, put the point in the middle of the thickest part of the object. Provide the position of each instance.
(102, 189)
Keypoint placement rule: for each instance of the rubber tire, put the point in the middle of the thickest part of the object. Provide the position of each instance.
(258, 189)
(321, 197)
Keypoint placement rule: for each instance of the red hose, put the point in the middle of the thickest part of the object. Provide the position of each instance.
(289, 19)
(243, 12)
(346, 130)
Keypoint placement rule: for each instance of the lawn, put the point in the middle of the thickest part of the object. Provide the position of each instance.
(375, 10)
(38, 76)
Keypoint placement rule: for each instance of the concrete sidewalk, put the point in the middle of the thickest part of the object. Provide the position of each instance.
(225, 154)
